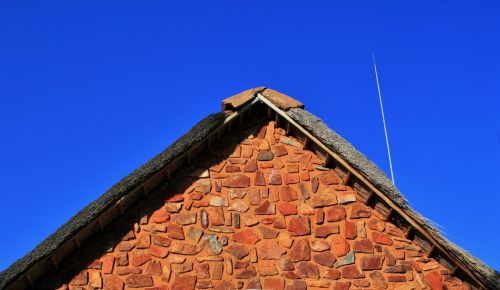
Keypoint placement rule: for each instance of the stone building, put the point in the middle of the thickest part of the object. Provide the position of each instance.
(262, 195)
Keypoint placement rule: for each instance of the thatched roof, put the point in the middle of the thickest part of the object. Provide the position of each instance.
(201, 131)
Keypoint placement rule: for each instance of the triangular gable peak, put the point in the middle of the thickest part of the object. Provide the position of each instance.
(260, 195)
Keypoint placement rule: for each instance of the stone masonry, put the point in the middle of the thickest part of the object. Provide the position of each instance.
(265, 215)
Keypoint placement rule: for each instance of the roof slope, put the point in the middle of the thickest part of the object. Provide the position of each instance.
(202, 130)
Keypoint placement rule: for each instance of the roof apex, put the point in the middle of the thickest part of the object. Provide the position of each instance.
(279, 99)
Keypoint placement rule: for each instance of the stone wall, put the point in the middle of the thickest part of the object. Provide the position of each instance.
(267, 215)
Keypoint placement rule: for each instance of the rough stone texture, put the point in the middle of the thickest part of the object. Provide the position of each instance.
(285, 239)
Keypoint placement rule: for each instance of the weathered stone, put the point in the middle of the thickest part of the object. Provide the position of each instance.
(95, 279)
(378, 280)
(216, 216)
(254, 196)
(372, 262)
(292, 168)
(236, 193)
(268, 271)
(154, 268)
(126, 246)
(184, 249)
(246, 236)
(111, 282)
(241, 264)
(204, 186)
(351, 272)
(347, 260)
(314, 183)
(390, 260)
(434, 279)
(138, 258)
(274, 177)
(217, 271)
(395, 269)
(265, 208)
(300, 251)
(287, 208)
(269, 250)
(107, 264)
(246, 151)
(319, 246)
(239, 251)
(176, 259)
(224, 241)
(303, 189)
(184, 282)
(308, 270)
(212, 245)
(232, 168)
(265, 156)
(325, 197)
(138, 281)
(287, 193)
(319, 216)
(285, 240)
(239, 206)
(185, 218)
(204, 284)
(122, 259)
(299, 226)
(326, 230)
(209, 259)
(346, 197)
(204, 219)
(160, 216)
(237, 181)
(175, 232)
(274, 283)
(268, 233)
(325, 259)
(351, 232)
(217, 229)
(332, 274)
(381, 238)
(329, 177)
(291, 178)
(246, 273)
(296, 285)
(259, 178)
(194, 234)
(218, 201)
(360, 210)
(363, 246)
(155, 228)
(398, 278)
(279, 150)
(254, 283)
(202, 270)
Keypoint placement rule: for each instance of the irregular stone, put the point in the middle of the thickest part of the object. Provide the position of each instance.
(107, 264)
(291, 178)
(274, 283)
(363, 246)
(239, 251)
(372, 262)
(381, 238)
(265, 156)
(268, 233)
(378, 280)
(274, 177)
(204, 219)
(246, 273)
(232, 168)
(246, 236)
(398, 278)
(339, 245)
(259, 178)
(299, 226)
(155, 228)
(218, 201)
(434, 280)
(287, 208)
(237, 181)
(325, 197)
(246, 151)
(395, 269)
(351, 272)
(319, 246)
(184, 249)
(296, 285)
(160, 216)
(175, 259)
(342, 285)
(360, 210)
(127, 271)
(209, 259)
(254, 283)
(300, 251)
(290, 142)
(216, 216)
(285, 240)
(269, 250)
(236, 193)
(217, 229)
(95, 279)
(268, 271)
(223, 241)
(213, 246)
(185, 218)
(326, 230)
(332, 274)
(325, 259)
(217, 271)
(194, 234)
(204, 186)
(265, 208)
(329, 177)
(175, 232)
(138, 258)
(305, 208)
(346, 197)
(308, 270)
(184, 282)
(319, 216)
(390, 260)
(292, 168)
(347, 260)
(138, 281)
(122, 259)
(279, 150)
(287, 193)
(314, 183)
(250, 221)
(126, 246)
(204, 284)
(303, 188)
(361, 230)
(202, 270)
(157, 251)
(111, 282)
(254, 196)
(351, 232)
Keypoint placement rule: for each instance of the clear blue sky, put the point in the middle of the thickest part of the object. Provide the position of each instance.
(89, 92)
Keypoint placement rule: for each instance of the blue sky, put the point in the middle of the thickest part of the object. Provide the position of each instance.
(90, 91)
